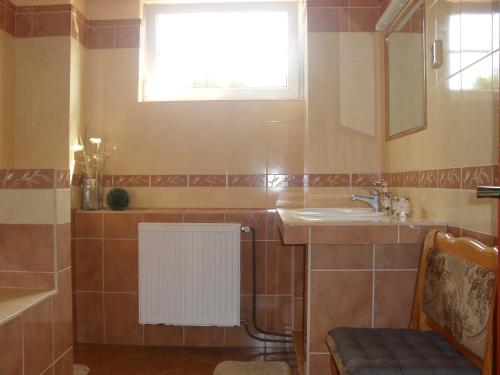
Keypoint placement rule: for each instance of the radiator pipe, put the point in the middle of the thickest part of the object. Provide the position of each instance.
(264, 339)
(254, 299)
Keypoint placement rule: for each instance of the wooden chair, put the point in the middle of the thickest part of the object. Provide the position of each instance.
(451, 329)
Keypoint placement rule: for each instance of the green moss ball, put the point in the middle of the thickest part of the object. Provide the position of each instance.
(118, 199)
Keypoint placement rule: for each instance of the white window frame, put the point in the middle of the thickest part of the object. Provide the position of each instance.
(151, 11)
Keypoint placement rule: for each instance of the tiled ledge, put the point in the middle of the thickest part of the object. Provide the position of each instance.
(387, 230)
(15, 301)
(384, 230)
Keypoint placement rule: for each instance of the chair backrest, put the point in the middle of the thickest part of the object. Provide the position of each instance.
(455, 294)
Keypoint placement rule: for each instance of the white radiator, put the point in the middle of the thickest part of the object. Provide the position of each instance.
(189, 274)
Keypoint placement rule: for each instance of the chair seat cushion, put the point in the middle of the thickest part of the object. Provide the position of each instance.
(364, 351)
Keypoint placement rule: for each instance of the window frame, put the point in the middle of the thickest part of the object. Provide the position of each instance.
(291, 92)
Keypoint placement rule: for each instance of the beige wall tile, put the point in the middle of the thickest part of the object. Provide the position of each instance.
(113, 9)
(477, 215)
(34, 206)
(332, 197)
(447, 117)
(479, 115)
(285, 148)
(207, 197)
(189, 197)
(63, 206)
(343, 125)
(214, 137)
(175, 197)
(42, 93)
(7, 69)
(285, 197)
(246, 197)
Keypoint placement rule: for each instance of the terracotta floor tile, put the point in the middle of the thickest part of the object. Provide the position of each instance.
(143, 360)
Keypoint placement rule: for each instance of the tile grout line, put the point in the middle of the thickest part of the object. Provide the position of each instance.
(103, 301)
(22, 342)
(373, 286)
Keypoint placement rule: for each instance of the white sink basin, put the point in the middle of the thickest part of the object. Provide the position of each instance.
(315, 214)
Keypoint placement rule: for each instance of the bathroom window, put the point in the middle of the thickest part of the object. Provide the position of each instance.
(221, 51)
(466, 49)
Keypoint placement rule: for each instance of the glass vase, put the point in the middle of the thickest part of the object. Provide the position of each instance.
(90, 195)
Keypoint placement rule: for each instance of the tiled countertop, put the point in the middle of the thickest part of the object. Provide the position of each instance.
(15, 301)
(379, 230)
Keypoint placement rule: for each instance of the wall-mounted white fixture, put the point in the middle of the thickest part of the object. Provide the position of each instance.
(391, 12)
(436, 54)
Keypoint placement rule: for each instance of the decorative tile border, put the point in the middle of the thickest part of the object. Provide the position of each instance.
(34, 179)
(62, 179)
(364, 179)
(467, 178)
(472, 177)
(428, 179)
(330, 180)
(450, 178)
(257, 180)
(207, 180)
(66, 20)
(7, 17)
(169, 180)
(114, 34)
(286, 181)
(131, 180)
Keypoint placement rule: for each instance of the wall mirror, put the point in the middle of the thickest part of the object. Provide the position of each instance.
(405, 72)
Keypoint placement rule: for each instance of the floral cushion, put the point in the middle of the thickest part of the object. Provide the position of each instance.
(458, 296)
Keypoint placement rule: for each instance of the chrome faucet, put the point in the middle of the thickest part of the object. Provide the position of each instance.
(373, 200)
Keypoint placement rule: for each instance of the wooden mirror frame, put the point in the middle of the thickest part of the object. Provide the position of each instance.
(407, 9)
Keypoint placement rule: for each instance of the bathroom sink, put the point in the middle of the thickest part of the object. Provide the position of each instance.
(315, 214)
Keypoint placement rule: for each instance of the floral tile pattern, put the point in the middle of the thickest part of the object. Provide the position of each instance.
(131, 180)
(472, 177)
(364, 179)
(29, 179)
(62, 179)
(257, 180)
(412, 179)
(429, 179)
(397, 179)
(207, 180)
(169, 180)
(329, 180)
(285, 181)
(450, 178)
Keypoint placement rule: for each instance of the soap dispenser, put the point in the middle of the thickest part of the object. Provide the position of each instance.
(386, 198)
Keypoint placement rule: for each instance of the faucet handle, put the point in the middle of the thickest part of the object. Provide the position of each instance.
(373, 191)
